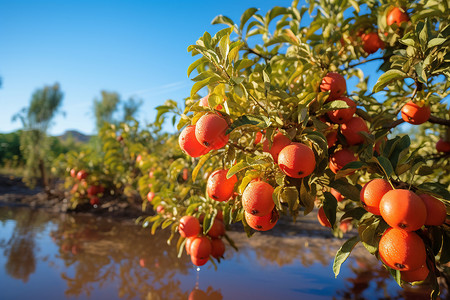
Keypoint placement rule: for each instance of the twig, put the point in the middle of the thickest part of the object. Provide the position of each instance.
(363, 62)
(440, 121)
(394, 124)
(240, 148)
(259, 104)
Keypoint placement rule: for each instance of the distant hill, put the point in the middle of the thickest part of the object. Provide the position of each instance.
(77, 136)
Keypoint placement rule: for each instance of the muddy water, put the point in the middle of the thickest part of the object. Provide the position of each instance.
(44, 256)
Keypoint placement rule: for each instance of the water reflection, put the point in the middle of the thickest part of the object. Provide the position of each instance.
(62, 256)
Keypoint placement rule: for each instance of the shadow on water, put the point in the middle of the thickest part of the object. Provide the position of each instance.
(90, 257)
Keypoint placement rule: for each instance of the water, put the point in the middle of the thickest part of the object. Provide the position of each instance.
(44, 256)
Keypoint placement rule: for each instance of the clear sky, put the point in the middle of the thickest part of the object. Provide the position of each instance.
(132, 47)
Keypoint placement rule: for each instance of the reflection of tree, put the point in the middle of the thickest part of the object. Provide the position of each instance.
(20, 248)
(102, 252)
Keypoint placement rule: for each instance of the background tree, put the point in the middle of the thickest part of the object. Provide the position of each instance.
(36, 120)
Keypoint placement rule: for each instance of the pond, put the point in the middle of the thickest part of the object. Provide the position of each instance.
(48, 256)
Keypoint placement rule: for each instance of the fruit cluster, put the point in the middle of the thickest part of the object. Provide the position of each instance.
(93, 191)
(401, 247)
(199, 246)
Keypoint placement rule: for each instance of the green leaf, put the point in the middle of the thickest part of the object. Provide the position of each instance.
(388, 77)
(306, 199)
(408, 42)
(396, 275)
(343, 253)
(349, 191)
(330, 207)
(243, 63)
(245, 120)
(355, 213)
(224, 46)
(237, 168)
(223, 20)
(289, 195)
(194, 65)
(201, 84)
(385, 165)
(200, 164)
(436, 42)
(435, 188)
(246, 16)
(445, 253)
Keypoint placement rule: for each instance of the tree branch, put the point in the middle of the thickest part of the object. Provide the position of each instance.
(440, 121)
(363, 62)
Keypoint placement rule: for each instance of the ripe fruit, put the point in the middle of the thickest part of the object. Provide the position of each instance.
(323, 218)
(94, 190)
(345, 224)
(371, 194)
(351, 130)
(189, 226)
(415, 114)
(210, 131)
(94, 201)
(436, 211)
(258, 138)
(217, 229)
(188, 243)
(199, 261)
(73, 173)
(340, 116)
(219, 187)
(372, 42)
(82, 175)
(204, 102)
(337, 195)
(297, 160)
(340, 158)
(189, 144)
(185, 174)
(419, 274)
(443, 146)
(403, 209)
(331, 138)
(218, 248)
(402, 250)
(257, 198)
(335, 83)
(396, 15)
(263, 223)
(279, 142)
(201, 247)
(160, 209)
(150, 196)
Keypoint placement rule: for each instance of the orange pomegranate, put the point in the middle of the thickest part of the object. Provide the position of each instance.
(403, 209)
(258, 138)
(297, 160)
(188, 243)
(331, 138)
(210, 131)
(436, 211)
(201, 247)
(340, 116)
(323, 220)
(263, 223)
(199, 261)
(443, 146)
(219, 187)
(372, 42)
(415, 114)
(396, 15)
(279, 142)
(82, 175)
(218, 248)
(371, 194)
(73, 173)
(150, 196)
(351, 130)
(335, 83)
(217, 229)
(419, 274)
(189, 144)
(189, 226)
(340, 158)
(402, 250)
(337, 195)
(257, 198)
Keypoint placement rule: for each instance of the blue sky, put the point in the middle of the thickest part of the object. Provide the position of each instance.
(131, 47)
